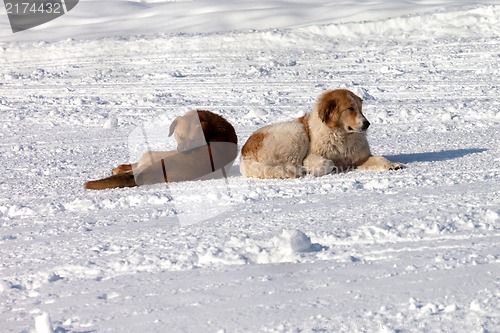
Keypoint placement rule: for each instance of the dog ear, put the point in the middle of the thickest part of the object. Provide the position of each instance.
(172, 126)
(326, 110)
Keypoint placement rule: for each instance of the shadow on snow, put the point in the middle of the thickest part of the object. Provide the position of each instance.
(443, 155)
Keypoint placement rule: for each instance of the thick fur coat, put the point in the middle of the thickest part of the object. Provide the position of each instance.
(330, 138)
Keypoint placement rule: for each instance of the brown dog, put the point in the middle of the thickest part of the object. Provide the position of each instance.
(331, 137)
(206, 143)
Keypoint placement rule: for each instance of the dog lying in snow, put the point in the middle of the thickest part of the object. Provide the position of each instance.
(331, 137)
(207, 143)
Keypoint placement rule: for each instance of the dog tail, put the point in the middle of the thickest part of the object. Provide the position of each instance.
(118, 180)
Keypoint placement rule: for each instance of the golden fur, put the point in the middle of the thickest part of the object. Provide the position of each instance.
(330, 138)
(206, 143)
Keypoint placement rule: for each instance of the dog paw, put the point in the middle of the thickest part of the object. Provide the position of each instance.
(318, 166)
(122, 168)
(328, 167)
(396, 166)
(301, 171)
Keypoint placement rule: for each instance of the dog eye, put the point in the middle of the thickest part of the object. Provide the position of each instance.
(351, 109)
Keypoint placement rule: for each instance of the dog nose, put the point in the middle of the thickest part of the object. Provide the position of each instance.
(366, 124)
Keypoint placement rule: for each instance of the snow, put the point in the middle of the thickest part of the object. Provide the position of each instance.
(413, 250)
(95, 19)
(43, 323)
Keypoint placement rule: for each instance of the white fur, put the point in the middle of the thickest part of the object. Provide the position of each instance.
(317, 165)
(289, 151)
(346, 150)
(282, 152)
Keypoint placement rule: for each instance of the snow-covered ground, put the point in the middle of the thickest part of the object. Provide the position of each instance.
(415, 250)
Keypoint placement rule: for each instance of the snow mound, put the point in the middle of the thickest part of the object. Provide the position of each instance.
(286, 247)
(292, 241)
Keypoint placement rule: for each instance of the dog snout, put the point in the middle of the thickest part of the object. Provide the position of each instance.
(366, 124)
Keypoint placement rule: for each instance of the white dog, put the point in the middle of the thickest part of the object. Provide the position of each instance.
(330, 138)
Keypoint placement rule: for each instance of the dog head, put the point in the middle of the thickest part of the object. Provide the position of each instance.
(342, 109)
(188, 131)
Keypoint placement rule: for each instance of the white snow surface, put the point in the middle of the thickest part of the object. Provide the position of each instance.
(414, 250)
(102, 18)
